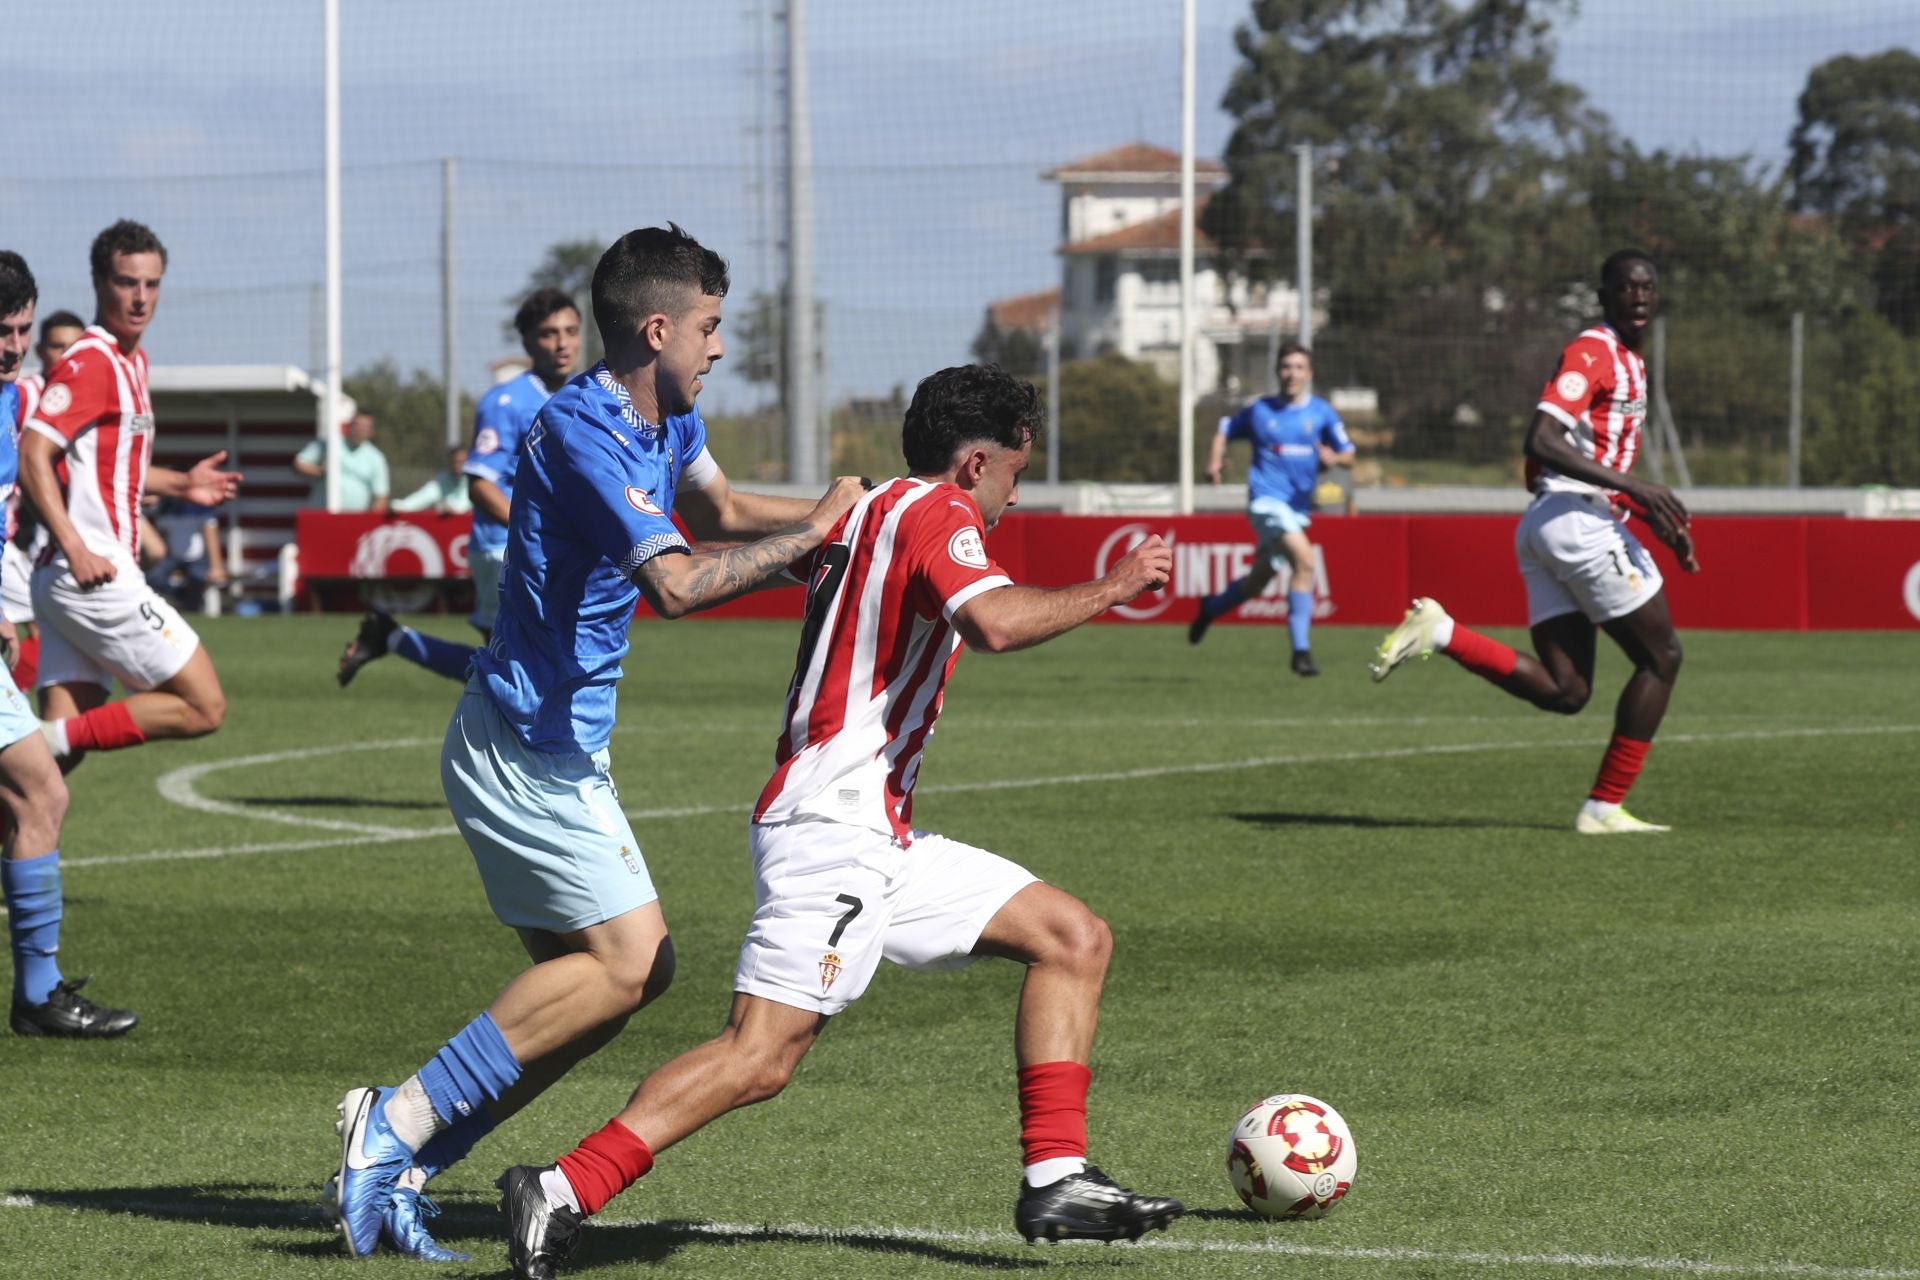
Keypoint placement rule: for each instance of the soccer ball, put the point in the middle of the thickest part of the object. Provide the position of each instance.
(1291, 1156)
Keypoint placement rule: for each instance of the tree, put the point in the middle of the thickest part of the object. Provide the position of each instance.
(568, 265)
(1020, 352)
(1118, 421)
(409, 414)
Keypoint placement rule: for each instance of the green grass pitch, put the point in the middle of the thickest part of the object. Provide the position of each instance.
(1689, 1054)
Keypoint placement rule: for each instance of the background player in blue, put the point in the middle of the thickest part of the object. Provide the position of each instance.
(31, 788)
(549, 327)
(525, 765)
(1293, 433)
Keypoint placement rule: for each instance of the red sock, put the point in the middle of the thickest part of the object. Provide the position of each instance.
(1618, 768)
(29, 665)
(1053, 1110)
(107, 728)
(1482, 655)
(605, 1164)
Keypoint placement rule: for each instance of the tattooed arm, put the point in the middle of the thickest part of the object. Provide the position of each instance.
(679, 584)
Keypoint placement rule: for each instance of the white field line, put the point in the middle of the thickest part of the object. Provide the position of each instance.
(178, 785)
(732, 1231)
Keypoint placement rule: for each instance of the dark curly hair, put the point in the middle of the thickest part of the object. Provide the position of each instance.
(540, 304)
(17, 288)
(964, 405)
(124, 236)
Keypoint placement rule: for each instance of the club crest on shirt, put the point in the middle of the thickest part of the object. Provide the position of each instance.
(829, 970)
(966, 548)
(486, 440)
(57, 399)
(1572, 385)
(641, 500)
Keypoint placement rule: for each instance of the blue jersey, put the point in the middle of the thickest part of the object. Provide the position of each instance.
(9, 440)
(1286, 446)
(596, 484)
(499, 426)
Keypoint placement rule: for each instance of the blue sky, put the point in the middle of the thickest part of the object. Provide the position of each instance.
(932, 125)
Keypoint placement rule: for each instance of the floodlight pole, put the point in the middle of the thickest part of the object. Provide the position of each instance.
(1795, 385)
(448, 360)
(330, 391)
(1187, 308)
(802, 432)
(1303, 238)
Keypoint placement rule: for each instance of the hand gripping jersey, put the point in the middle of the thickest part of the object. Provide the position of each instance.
(96, 408)
(1599, 393)
(876, 650)
(596, 485)
(1286, 446)
(500, 425)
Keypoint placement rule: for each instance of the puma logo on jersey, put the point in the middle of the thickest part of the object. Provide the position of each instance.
(1588, 357)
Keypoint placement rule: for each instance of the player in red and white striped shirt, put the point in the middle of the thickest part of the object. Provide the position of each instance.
(84, 463)
(843, 880)
(1585, 571)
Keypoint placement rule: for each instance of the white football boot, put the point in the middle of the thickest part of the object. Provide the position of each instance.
(1413, 638)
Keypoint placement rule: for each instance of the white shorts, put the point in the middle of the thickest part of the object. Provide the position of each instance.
(1577, 556)
(121, 631)
(484, 567)
(832, 899)
(16, 584)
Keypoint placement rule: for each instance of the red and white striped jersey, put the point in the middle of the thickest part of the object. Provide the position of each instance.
(96, 408)
(1600, 393)
(31, 385)
(875, 653)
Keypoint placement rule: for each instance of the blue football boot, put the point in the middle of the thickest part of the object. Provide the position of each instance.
(404, 1227)
(371, 1162)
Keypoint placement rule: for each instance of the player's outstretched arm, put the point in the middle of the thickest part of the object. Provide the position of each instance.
(718, 512)
(204, 483)
(1547, 445)
(678, 584)
(1015, 617)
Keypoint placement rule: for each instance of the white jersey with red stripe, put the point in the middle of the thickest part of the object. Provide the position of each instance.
(97, 409)
(1599, 393)
(875, 653)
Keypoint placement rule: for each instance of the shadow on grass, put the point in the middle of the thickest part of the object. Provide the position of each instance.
(471, 1224)
(341, 802)
(1369, 821)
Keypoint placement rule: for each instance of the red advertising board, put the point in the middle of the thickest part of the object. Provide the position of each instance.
(1757, 572)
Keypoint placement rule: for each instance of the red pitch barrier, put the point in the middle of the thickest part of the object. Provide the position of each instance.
(1763, 573)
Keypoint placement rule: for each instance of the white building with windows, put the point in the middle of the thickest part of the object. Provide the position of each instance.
(1120, 276)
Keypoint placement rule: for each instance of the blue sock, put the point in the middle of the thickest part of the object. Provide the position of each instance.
(431, 652)
(471, 1070)
(1299, 617)
(450, 1146)
(33, 924)
(1227, 599)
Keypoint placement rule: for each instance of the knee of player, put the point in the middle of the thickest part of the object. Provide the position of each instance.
(1667, 657)
(766, 1075)
(209, 713)
(640, 979)
(1570, 699)
(1080, 940)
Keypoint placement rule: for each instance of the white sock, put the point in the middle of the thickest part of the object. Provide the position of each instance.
(1443, 633)
(560, 1193)
(396, 635)
(1599, 808)
(1044, 1173)
(410, 1114)
(55, 732)
(414, 1179)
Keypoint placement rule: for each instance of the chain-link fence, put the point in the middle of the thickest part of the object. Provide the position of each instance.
(998, 180)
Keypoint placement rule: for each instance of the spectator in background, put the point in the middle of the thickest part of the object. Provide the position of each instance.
(192, 560)
(445, 493)
(363, 468)
(1333, 491)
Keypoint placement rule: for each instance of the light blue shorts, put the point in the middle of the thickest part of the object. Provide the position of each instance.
(17, 720)
(484, 567)
(1273, 520)
(553, 848)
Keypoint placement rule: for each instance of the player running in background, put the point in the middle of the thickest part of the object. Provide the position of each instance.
(1293, 434)
(31, 788)
(84, 464)
(1585, 571)
(525, 765)
(841, 877)
(549, 327)
(26, 536)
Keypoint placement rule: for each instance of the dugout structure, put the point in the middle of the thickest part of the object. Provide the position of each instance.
(261, 415)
